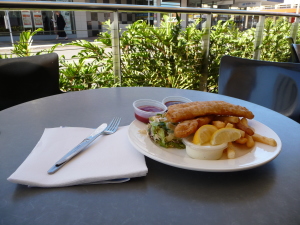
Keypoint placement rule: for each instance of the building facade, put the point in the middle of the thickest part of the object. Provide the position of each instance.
(81, 24)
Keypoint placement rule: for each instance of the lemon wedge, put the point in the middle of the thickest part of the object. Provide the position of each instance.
(224, 135)
(203, 134)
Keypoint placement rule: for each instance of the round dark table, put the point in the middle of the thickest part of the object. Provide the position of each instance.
(269, 194)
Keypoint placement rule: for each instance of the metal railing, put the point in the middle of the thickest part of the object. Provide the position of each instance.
(118, 8)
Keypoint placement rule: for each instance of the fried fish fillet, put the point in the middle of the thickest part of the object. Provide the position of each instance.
(187, 127)
(191, 110)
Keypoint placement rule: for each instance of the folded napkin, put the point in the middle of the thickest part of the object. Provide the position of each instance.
(110, 158)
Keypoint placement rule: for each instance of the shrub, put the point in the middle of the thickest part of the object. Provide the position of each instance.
(165, 56)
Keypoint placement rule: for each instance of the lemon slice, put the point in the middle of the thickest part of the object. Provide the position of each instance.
(203, 134)
(224, 135)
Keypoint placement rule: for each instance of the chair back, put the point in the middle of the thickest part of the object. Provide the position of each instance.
(295, 48)
(28, 78)
(274, 85)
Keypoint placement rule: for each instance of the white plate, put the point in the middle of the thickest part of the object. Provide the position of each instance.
(246, 159)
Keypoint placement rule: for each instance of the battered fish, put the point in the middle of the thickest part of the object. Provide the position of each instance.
(191, 110)
(187, 127)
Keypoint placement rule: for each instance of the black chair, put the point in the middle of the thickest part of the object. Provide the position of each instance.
(295, 48)
(290, 40)
(274, 85)
(28, 78)
(294, 58)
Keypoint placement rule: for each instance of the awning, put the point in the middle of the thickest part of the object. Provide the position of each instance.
(289, 10)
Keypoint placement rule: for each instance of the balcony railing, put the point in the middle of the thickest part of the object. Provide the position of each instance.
(115, 9)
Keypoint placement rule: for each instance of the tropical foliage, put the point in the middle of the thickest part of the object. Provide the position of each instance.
(164, 56)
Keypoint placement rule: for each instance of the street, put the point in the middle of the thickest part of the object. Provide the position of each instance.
(67, 51)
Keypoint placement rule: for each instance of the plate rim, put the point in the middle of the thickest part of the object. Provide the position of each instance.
(201, 168)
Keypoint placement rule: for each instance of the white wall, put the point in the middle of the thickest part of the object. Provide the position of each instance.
(184, 16)
(80, 22)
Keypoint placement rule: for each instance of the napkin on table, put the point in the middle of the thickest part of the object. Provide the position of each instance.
(108, 158)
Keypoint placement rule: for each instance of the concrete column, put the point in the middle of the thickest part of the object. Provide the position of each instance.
(158, 15)
(258, 36)
(80, 23)
(116, 49)
(184, 17)
(246, 21)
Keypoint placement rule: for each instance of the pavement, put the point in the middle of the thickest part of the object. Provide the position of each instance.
(5, 42)
(42, 42)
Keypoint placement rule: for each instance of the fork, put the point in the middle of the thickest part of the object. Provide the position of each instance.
(110, 129)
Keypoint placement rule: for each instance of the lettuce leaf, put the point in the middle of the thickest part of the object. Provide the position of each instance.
(161, 132)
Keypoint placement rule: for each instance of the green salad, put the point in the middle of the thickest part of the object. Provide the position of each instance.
(161, 132)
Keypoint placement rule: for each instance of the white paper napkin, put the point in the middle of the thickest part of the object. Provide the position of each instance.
(109, 157)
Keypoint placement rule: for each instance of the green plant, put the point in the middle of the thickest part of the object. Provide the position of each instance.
(227, 39)
(89, 69)
(164, 56)
(275, 46)
(22, 48)
(5, 56)
(168, 56)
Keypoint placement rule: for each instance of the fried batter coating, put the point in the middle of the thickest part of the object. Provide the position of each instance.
(188, 127)
(247, 129)
(191, 110)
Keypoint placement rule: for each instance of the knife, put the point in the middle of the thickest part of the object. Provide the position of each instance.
(79, 148)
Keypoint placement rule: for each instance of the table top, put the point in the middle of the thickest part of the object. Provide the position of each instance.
(269, 194)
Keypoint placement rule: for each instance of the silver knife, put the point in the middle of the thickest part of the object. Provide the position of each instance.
(79, 148)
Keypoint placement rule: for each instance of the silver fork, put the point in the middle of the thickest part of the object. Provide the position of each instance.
(113, 126)
(103, 129)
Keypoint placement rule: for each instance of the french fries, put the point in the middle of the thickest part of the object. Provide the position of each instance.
(186, 127)
(228, 119)
(242, 140)
(230, 151)
(240, 125)
(229, 125)
(250, 142)
(218, 124)
(248, 135)
(265, 140)
(244, 121)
